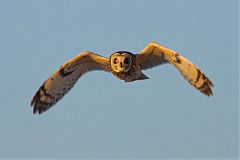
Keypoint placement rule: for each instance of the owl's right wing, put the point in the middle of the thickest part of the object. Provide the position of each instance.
(154, 54)
(61, 81)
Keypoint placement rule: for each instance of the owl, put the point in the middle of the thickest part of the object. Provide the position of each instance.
(122, 64)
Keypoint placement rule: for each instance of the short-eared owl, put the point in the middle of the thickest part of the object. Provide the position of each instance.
(124, 65)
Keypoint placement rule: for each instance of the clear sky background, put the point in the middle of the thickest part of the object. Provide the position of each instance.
(103, 117)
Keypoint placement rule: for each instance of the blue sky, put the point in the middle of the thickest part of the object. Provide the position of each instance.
(103, 117)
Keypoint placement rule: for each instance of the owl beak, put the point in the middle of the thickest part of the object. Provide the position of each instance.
(121, 65)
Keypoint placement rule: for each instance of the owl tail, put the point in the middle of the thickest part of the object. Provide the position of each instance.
(142, 77)
(190, 72)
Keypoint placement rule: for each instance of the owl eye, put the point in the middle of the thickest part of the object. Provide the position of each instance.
(115, 61)
(126, 61)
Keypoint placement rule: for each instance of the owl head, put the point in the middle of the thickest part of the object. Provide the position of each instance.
(121, 61)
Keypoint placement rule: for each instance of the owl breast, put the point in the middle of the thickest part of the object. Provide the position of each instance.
(129, 76)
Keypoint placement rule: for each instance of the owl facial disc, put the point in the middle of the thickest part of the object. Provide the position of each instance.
(121, 62)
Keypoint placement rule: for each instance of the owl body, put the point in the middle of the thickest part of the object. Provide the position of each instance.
(122, 64)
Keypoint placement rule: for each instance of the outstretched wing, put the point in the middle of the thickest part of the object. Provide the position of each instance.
(154, 54)
(61, 81)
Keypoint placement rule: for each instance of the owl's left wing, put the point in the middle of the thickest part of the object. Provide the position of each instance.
(154, 54)
(61, 81)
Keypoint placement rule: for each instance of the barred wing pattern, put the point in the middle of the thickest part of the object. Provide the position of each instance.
(61, 81)
(154, 54)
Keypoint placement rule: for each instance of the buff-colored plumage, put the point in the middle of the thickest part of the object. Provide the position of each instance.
(124, 65)
(61, 81)
(154, 54)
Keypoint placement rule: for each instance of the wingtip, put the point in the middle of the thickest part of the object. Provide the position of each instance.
(35, 112)
(38, 109)
(32, 102)
(35, 103)
(210, 83)
(207, 90)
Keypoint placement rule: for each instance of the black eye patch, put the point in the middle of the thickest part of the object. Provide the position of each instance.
(126, 61)
(115, 61)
